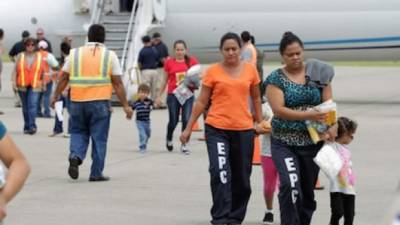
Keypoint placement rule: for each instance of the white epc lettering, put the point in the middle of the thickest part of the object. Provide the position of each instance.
(222, 176)
(290, 164)
(221, 162)
(295, 193)
(221, 148)
(293, 179)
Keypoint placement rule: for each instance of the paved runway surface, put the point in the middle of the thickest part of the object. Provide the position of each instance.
(172, 189)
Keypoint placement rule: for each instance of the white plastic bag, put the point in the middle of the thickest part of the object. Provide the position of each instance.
(59, 110)
(182, 93)
(329, 160)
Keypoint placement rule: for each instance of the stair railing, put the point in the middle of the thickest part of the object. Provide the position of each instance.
(128, 34)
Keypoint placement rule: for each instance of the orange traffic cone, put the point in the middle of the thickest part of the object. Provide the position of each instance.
(196, 127)
(257, 151)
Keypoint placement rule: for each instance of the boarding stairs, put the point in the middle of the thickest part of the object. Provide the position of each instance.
(124, 32)
(117, 25)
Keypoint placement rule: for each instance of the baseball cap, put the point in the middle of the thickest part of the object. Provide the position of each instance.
(25, 34)
(156, 35)
(43, 45)
(40, 31)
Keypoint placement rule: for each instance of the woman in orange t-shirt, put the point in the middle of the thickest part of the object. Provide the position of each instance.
(230, 85)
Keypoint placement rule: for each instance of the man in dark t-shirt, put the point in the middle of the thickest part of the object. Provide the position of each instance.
(163, 53)
(148, 60)
(19, 46)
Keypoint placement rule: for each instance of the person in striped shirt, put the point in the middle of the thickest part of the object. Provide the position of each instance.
(143, 106)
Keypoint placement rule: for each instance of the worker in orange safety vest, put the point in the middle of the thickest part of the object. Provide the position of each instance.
(27, 80)
(92, 71)
(50, 65)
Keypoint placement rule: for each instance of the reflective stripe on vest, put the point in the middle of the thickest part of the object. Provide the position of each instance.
(36, 74)
(46, 66)
(22, 69)
(25, 75)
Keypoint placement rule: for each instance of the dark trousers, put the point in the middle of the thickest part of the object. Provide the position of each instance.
(297, 175)
(45, 98)
(342, 205)
(230, 154)
(174, 108)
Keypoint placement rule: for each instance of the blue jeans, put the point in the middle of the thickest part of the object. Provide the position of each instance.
(144, 133)
(174, 108)
(46, 101)
(58, 125)
(90, 120)
(29, 100)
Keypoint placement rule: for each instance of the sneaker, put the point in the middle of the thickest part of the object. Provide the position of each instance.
(170, 146)
(268, 218)
(99, 179)
(54, 134)
(32, 131)
(185, 150)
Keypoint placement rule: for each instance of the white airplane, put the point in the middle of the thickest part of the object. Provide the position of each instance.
(330, 29)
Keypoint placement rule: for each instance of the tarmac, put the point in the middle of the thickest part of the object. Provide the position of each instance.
(169, 188)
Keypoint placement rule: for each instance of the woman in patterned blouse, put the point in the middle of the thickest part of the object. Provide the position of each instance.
(292, 97)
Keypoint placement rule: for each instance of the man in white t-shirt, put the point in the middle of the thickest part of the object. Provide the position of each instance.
(91, 71)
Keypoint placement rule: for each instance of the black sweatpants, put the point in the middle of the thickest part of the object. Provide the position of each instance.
(342, 205)
(297, 175)
(230, 154)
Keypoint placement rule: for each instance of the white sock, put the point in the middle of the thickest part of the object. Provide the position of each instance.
(269, 211)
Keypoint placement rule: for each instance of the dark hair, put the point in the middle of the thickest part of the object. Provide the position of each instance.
(289, 38)
(146, 39)
(156, 35)
(187, 58)
(65, 48)
(1, 33)
(25, 34)
(96, 33)
(144, 88)
(246, 36)
(346, 126)
(228, 36)
(253, 40)
(30, 40)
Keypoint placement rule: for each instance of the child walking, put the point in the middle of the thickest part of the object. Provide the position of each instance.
(143, 107)
(342, 194)
(270, 173)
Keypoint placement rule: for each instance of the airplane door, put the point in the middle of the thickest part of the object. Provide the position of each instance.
(160, 9)
(111, 6)
(82, 6)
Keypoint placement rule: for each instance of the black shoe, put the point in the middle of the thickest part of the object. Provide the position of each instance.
(268, 219)
(170, 146)
(102, 178)
(32, 131)
(73, 169)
